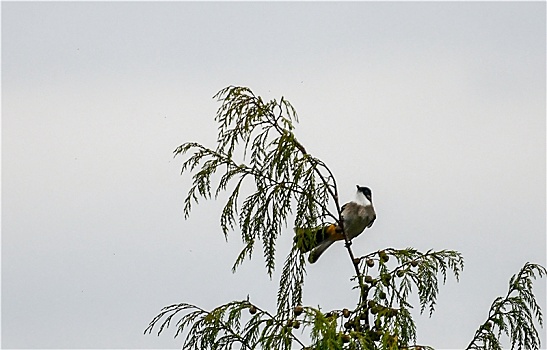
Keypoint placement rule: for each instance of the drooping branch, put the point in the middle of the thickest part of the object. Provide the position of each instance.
(282, 172)
(513, 315)
(221, 327)
(287, 180)
(391, 287)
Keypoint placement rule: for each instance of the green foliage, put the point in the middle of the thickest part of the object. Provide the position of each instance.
(221, 328)
(513, 315)
(390, 288)
(276, 180)
(423, 275)
(291, 282)
(287, 180)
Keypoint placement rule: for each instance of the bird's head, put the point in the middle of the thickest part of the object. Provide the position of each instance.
(365, 191)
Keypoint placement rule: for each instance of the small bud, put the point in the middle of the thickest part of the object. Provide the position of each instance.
(384, 257)
(378, 323)
(345, 338)
(348, 325)
(356, 261)
(370, 263)
(400, 273)
(382, 295)
(296, 324)
(385, 279)
(368, 279)
(298, 309)
(345, 313)
(392, 313)
(414, 263)
(371, 303)
(375, 335)
(252, 309)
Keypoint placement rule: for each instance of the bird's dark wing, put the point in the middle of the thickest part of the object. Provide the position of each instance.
(344, 208)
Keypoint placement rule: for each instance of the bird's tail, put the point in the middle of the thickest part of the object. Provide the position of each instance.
(307, 239)
(320, 249)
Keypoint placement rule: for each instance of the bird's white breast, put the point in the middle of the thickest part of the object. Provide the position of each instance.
(361, 199)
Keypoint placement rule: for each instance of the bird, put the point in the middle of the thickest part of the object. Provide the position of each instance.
(356, 215)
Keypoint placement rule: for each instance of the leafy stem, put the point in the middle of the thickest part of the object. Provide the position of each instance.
(513, 314)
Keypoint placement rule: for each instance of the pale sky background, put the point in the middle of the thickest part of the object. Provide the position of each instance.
(438, 107)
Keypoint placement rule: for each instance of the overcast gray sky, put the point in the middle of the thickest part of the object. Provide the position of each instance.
(438, 107)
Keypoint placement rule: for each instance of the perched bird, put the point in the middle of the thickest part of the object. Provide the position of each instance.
(356, 216)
